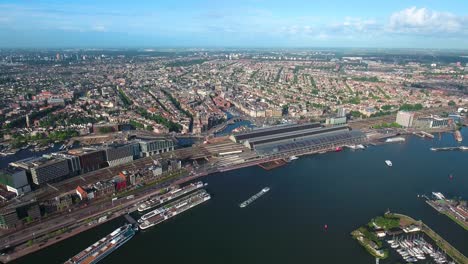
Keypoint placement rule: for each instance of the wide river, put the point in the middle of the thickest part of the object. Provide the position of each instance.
(342, 190)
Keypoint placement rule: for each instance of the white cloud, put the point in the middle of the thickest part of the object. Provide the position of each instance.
(359, 24)
(99, 28)
(425, 21)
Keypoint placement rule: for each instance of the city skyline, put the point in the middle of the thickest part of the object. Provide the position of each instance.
(250, 23)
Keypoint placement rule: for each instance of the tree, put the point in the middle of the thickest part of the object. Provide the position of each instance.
(451, 103)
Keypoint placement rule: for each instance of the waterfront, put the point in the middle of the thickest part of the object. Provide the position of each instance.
(342, 190)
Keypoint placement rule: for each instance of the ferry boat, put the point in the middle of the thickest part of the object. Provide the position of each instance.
(389, 163)
(99, 250)
(254, 197)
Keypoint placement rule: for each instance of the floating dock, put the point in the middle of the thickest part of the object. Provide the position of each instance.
(130, 219)
(272, 164)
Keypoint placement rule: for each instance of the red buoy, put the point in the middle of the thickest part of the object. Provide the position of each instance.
(326, 227)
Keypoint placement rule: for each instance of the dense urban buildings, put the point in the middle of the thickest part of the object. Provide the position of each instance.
(102, 128)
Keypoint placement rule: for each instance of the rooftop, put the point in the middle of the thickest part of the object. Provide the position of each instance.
(275, 130)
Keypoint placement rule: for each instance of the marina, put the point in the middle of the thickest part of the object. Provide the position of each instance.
(413, 248)
(254, 197)
(408, 241)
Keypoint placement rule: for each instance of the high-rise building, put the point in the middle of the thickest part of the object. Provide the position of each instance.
(49, 170)
(90, 159)
(405, 119)
(43, 170)
(117, 155)
(73, 161)
(15, 180)
(341, 112)
(152, 147)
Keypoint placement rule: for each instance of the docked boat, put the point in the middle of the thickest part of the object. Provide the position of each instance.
(338, 149)
(458, 136)
(389, 163)
(99, 250)
(356, 147)
(171, 195)
(292, 158)
(174, 208)
(151, 214)
(395, 139)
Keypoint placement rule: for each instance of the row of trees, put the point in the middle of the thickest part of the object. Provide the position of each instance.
(42, 139)
(124, 97)
(173, 127)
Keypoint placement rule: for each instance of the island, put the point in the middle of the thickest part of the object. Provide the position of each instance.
(408, 239)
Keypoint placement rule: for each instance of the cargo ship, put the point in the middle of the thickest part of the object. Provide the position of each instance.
(173, 194)
(254, 197)
(174, 209)
(99, 250)
(458, 136)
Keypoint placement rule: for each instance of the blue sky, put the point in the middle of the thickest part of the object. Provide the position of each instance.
(235, 23)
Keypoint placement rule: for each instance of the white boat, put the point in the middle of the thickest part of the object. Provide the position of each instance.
(395, 139)
(356, 147)
(292, 158)
(389, 163)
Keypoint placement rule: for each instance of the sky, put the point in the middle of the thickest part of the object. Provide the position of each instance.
(434, 24)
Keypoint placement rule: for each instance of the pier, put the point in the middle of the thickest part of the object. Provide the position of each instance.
(130, 219)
